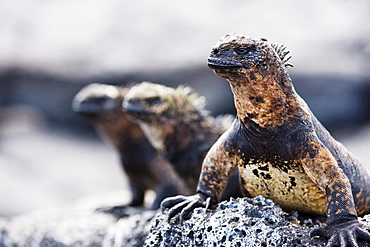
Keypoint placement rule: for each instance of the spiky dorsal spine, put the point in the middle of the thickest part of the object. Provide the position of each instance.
(224, 121)
(192, 98)
(280, 49)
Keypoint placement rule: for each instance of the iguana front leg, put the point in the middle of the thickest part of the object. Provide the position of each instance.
(216, 168)
(343, 227)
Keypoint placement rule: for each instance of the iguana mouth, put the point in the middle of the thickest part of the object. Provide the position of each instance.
(222, 62)
(136, 110)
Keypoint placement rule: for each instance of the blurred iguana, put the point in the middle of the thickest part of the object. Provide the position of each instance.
(178, 126)
(146, 170)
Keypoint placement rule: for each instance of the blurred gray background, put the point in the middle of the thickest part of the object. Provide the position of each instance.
(50, 49)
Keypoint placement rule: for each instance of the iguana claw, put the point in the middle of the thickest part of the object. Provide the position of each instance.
(184, 205)
(342, 234)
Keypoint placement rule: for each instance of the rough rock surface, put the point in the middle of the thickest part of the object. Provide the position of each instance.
(76, 225)
(238, 222)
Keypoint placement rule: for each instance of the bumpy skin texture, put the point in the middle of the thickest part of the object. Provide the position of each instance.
(282, 151)
(178, 126)
(100, 104)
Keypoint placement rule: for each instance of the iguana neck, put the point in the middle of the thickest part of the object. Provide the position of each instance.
(188, 134)
(268, 101)
(176, 135)
(114, 130)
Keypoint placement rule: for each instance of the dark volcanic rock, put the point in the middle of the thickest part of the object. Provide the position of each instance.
(238, 222)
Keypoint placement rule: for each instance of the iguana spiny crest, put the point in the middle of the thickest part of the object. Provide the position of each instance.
(155, 103)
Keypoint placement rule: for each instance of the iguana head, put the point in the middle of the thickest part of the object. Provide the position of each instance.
(150, 102)
(255, 69)
(101, 104)
(162, 111)
(95, 99)
(237, 55)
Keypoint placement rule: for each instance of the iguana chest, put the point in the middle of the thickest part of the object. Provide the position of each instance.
(285, 183)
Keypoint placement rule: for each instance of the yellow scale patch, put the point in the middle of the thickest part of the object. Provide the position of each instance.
(301, 194)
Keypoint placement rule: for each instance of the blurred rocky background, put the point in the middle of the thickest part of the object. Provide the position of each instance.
(51, 49)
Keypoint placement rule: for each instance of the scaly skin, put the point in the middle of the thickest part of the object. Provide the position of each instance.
(100, 104)
(178, 126)
(282, 151)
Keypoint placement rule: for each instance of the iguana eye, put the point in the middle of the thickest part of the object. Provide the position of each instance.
(153, 100)
(242, 50)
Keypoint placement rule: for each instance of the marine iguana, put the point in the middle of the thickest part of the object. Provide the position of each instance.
(282, 151)
(178, 126)
(100, 104)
